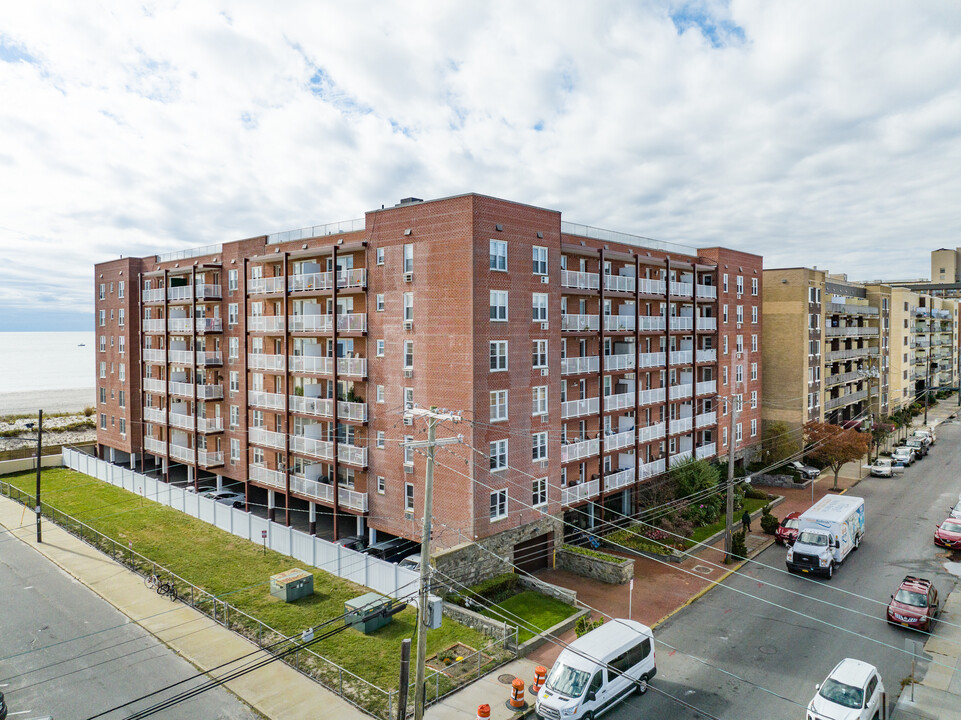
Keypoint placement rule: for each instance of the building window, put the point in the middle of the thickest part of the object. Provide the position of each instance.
(103, 317)
(738, 373)
(754, 371)
(539, 492)
(233, 348)
(408, 306)
(724, 282)
(753, 428)
(754, 284)
(122, 399)
(737, 433)
(103, 396)
(120, 289)
(539, 312)
(380, 348)
(121, 317)
(740, 284)
(540, 260)
(232, 280)
(539, 400)
(498, 255)
(753, 343)
(498, 505)
(739, 343)
(724, 436)
(409, 258)
(408, 354)
(233, 313)
(380, 393)
(381, 485)
(380, 439)
(539, 355)
(724, 370)
(234, 449)
(724, 313)
(739, 314)
(380, 256)
(122, 372)
(539, 446)
(498, 355)
(103, 343)
(103, 291)
(380, 302)
(103, 418)
(234, 381)
(753, 400)
(724, 344)
(234, 415)
(408, 451)
(103, 369)
(754, 314)
(498, 455)
(408, 497)
(499, 305)
(498, 405)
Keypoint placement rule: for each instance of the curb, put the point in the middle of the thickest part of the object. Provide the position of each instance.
(714, 583)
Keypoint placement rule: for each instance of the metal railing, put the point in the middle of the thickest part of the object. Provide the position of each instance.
(577, 493)
(579, 449)
(579, 280)
(580, 365)
(580, 323)
(334, 228)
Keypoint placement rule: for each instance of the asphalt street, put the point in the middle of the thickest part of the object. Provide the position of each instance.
(754, 647)
(66, 654)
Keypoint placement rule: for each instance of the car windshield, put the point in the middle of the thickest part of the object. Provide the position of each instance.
(810, 538)
(791, 524)
(838, 692)
(912, 598)
(567, 681)
(951, 526)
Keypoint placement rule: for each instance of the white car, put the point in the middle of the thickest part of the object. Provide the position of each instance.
(956, 511)
(852, 691)
(882, 467)
(225, 497)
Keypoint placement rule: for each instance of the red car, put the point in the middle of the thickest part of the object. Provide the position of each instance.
(786, 532)
(915, 604)
(948, 534)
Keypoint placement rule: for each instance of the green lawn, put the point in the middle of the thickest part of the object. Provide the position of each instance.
(238, 571)
(703, 533)
(536, 610)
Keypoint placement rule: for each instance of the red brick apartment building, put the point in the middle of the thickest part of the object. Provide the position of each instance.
(584, 362)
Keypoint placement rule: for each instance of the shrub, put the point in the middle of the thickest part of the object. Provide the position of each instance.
(769, 523)
(753, 493)
(738, 548)
(584, 625)
(598, 554)
(88, 411)
(497, 589)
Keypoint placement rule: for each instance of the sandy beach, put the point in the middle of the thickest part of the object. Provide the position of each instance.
(50, 401)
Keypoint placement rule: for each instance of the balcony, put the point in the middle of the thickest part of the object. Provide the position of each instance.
(265, 400)
(655, 359)
(618, 479)
(682, 289)
(325, 493)
(706, 291)
(579, 449)
(153, 325)
(209, 357)
(208, 458)
(707, 323)
(834, 403)
(678, 392)
(153, 415)
(707, 356)
(259, 361)
(650, 397)
(707, 387)
(318, 365)
(705, 451)
(682, 357)
(324, 450)
(181, 420)
(651, 432)
(265, 286)
(151, 355)
(655, 467)
(180, 325)
(619, 441)
(580, 365)
(154, 385)
(619, 283)
(265, 476)
(579, 280)
(210, 391)
(852, 331)
(850, 309)
(182, 453)
(619, 323)
(155, 446)
(836, 355)
(266, 438)
(153, 295)
(651, 323)
(578, 493)
(265, 323)
(706, 420)
(680, 457)
(620, 401)
(207, 325)
(651, 287)
(615, 363)
(841, 378)
(579, 408)
(682, 425)
(324, 407)
(580, 323)
(181, 357)
(682, 323)
(346, 322)
(210, 425)
(351, 278)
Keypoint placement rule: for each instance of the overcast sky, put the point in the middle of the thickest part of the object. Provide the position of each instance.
(813, 133)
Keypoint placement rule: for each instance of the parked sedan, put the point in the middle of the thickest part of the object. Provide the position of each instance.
(915, 605)
(902, 457)
(956, 511)
(948, 534)
(882, 467)
(353, 542)
(805, 471)
(225, 497)
(786, 532)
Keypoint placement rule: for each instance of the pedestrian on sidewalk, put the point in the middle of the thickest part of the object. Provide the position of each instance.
(746, 522)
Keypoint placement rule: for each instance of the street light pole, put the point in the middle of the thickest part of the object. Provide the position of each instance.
(729, 509)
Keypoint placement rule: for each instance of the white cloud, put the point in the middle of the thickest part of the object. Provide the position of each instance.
(810, 132)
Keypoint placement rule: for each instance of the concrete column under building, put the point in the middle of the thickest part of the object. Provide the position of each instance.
(360, 526)
(312, 517)
(133, 461)
(270, 505)
(371, 536)
(190, 474)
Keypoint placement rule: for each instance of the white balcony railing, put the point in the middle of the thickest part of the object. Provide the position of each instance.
(620, 401)
(709, 355)
(321, 449)
(210, 391)
(179, 325)
(265, 400)
(682, 357)
(153, 325)
(210, 424)
(707, 323)
(208, 458)
(681, 457)
(325, 493)
(264, 286)
(265, 323)
(623, 361)
(265, 437)
(580, 365)
(209, 357)
(651, 432)
(619, 323)
(351, 278)
(707, 387)
(706, 291)
(655, 359)
(266, 476)
(651, 322)
(580, 323)
(205, 325)
(580, 280)
(655, 467)
(706, 419)
(579, 408)
(154, 445)
(153, 295)
(181, 420)
(619, 283)
(651, 287)
(324, 407)
(679, 392)
(154, 415)
(682, 323)
(682, 289)
(182, 453)
(578, 493)
(152, 355)
(619, 479)
(650, 397)
(154, 385)
(346, 322)
(260, 361)
(183, 389)
(619, 441)
(682, 425)
(706, 451)
(181, 357)
(579, 450)
(314, 364)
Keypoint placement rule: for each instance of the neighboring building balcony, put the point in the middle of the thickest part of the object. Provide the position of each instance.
(184, 293)
(152, 355)
(706, 323)
(705, 451)
(265, 400)
(851, 331)
(346, 322)
(682, 289)
(265, 323)
(620, 401)
(835, 355)
(682, 323)
(579, 408)
(618, 479)
(651, 323)
(202, 325)
(153, 415)
(203, 391)
(619, 441)
(651, 432)
(580, 365)
(155, 446)
(850, 309)
(188, 357)
(317, 365)
(654, 359)
(181, 357)
(152, 295)
(181, 420)
(154, 385)
(681, 457)
(182, 453)
(619, 283)
(707, 356)
(682, 357)
(263, 475)
(616, 363)
(265, 285)
(850, 398)
(210, 424)
(618, 323)
(682, 425)
(153, 325)
(206, 358)
(324, 492)
(841, 378)
(579, 280)
(708, 292)
(208, 458)
(706, 419)
(706, 387)
(650, 397)
(655, 467)
(579, 449)
(324, 407)
(266, 438)
(580, 323)
(679, 392)
(347, 279)
(324, 450)
(260, 361)
(573, 494)
(210, 325)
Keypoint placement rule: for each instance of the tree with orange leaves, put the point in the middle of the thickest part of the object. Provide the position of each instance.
(833, 446)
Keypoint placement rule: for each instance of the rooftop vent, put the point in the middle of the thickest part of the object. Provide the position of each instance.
(408, 201)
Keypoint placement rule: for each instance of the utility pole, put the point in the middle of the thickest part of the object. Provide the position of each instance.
(927, 371)
(404, 679)
(729, 512)
(433, 419)
(39, 458)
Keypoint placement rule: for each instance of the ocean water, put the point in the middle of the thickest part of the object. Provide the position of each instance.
(47, 361)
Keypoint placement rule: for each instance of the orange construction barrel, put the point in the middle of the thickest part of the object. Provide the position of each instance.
(517, 693)
(483, 712)
(540, 675)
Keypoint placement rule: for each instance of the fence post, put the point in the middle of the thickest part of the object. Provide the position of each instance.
(390, 704)
(340, 671)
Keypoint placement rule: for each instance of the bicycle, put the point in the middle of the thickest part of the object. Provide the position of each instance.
(167, 587)
(151, 581)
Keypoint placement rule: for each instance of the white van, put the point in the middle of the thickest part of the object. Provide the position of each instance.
(598, 670)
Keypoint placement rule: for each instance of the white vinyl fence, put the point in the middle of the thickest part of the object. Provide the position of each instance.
(382, 577)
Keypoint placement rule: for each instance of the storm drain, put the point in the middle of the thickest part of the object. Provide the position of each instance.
(703, 569)
(505, 679)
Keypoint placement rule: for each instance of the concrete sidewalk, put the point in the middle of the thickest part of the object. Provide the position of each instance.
(276, 690)
(493, 689)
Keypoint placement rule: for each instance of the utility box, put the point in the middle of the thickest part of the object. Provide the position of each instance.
(292, 585)
(369, 612)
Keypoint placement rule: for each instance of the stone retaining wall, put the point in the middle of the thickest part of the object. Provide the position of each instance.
(546, 588)
(784, 481)
(483, 624)
(613, 573)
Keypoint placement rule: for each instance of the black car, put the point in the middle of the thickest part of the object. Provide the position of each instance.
(353, 542)
(392, 550)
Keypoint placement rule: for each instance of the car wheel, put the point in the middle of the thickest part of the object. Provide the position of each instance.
(642, 688)
(857, 541)
(830, 570)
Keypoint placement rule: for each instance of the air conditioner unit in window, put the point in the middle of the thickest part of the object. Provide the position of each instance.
(545, 279)
(408, 324)
(408, 421)
(409, 277)
(543, 372)
(544, 326)
(544, 420)
(408, 373)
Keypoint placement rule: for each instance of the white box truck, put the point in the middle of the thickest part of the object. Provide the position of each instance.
(827, 532)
